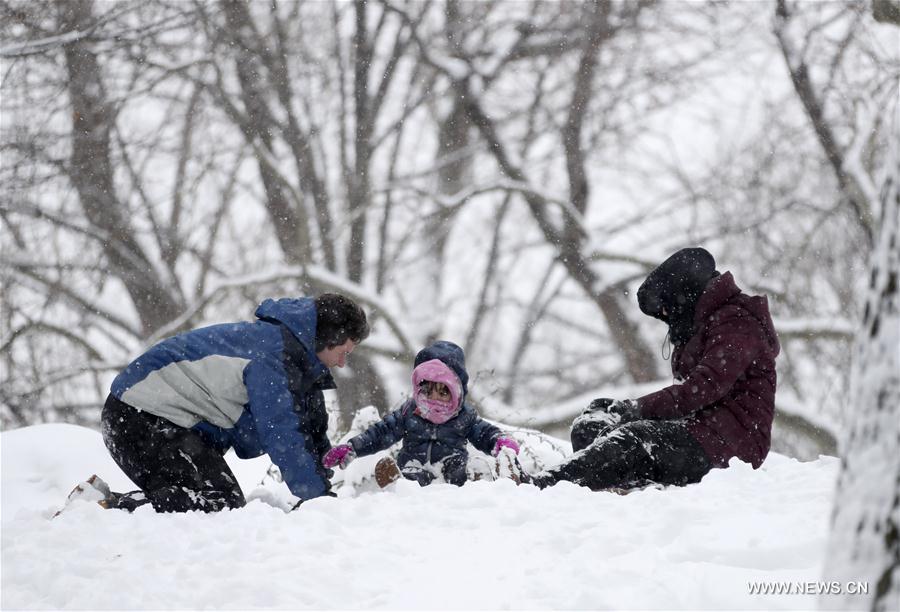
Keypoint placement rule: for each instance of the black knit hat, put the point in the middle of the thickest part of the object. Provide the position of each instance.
(675, 286)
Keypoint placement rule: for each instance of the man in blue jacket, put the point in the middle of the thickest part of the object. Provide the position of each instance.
(255, 387)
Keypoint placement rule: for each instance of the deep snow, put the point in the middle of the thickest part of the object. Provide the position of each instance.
(486, 545)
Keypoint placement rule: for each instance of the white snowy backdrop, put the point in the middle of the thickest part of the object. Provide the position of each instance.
(501, 174)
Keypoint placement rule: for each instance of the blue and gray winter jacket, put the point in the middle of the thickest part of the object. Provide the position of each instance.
(424, 441)
(255, 387)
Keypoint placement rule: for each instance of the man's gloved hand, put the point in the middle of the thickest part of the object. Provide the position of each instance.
(341, 455)
(505, 442)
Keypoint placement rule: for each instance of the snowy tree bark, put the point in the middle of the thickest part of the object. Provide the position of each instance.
(155, 298)
(826, 48)
(258, 125)
(865, 540)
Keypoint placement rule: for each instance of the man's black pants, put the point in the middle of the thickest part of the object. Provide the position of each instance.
(631, 455)
(175, 468)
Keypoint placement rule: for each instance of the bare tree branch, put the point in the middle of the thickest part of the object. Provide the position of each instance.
(802, 81)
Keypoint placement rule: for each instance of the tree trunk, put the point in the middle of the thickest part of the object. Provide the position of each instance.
(359, 193)
(290, 221)
(364, 387)
(91, 173)
(865, 538)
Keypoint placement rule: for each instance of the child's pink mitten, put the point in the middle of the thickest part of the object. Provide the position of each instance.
(341, 455)
(506, 442)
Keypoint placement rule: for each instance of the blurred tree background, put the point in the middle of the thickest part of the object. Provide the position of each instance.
(501, 174)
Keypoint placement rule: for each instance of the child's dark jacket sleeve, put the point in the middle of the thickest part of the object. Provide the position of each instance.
(483, 435)
(381, 435)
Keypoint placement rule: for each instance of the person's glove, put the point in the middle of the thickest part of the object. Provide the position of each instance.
(602, 416)
(626, 410)
(505, 442)
(340, 455)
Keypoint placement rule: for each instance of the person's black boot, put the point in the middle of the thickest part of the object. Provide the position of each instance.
(93, 489)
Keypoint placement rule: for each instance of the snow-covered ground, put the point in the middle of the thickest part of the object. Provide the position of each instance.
(487, 545)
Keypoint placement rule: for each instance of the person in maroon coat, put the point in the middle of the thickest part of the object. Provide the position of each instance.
(724, 349)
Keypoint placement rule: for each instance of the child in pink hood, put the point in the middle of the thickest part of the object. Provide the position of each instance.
(434, 424)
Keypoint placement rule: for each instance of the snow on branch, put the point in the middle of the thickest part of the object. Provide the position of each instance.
(539, 417)
(505, 185)
(68, 222)
(469, 87)
(854, 193)
(866, 120)
(34, 47)
(801, 417)
(312, 274)
(60, 376)
(42, 326)
(455, 68)
(603, 255)
(376, 304)
(815, 328)
(71, 295)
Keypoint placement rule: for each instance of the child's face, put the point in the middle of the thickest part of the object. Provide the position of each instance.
(435, 391)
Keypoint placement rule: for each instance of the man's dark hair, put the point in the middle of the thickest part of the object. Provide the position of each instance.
(338, 319)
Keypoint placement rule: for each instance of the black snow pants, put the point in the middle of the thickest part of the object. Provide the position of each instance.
(630, 455)
(174, 467)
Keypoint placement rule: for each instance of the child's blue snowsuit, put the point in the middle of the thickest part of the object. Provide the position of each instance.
(426, 443)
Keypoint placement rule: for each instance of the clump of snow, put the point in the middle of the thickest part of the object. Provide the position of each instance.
(485, 545)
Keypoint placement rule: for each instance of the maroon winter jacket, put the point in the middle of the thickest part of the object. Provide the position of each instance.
(727, 374)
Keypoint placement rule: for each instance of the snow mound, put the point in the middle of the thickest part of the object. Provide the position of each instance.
(487, 545)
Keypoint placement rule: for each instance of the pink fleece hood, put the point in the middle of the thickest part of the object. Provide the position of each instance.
(436, 411)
